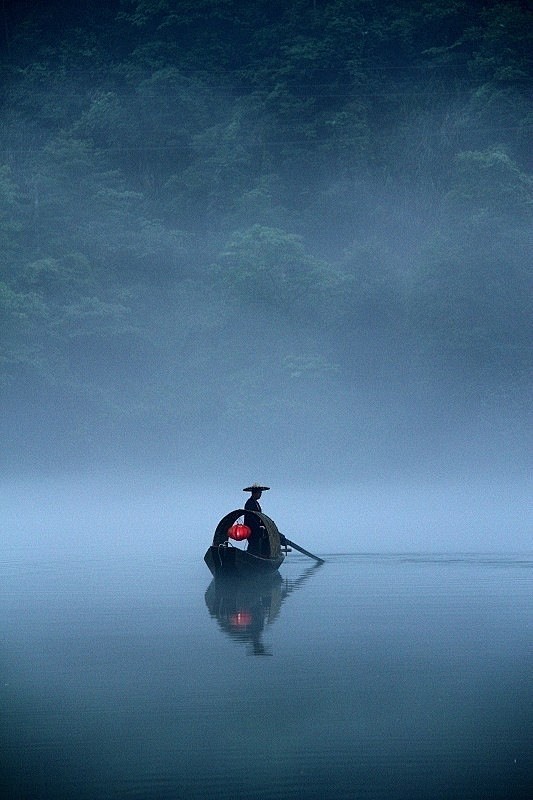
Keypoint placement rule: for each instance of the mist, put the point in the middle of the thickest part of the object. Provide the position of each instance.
(231, 257)
(151, 516)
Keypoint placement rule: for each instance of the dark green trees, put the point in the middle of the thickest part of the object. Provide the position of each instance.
(343, 171)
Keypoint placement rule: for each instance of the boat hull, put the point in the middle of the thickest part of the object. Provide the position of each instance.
(231, 561)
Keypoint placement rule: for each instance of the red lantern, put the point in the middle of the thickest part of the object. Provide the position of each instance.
(239, 532)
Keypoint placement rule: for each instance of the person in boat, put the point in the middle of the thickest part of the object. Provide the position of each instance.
(258, 543)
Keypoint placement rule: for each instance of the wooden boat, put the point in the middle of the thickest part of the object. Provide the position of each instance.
(223, 558)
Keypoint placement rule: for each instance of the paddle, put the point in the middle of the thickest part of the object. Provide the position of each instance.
(300, 549)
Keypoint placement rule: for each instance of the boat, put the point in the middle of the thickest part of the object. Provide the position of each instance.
(225, 559)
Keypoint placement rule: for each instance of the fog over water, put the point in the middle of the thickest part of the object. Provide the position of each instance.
(121, 515)
(292, 248)
(278, 242)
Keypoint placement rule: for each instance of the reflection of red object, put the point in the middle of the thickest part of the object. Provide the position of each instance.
(239, 532)
(241, 619)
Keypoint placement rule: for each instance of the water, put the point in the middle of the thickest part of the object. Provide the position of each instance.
(398, 677)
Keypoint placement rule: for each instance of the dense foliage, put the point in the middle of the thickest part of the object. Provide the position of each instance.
(208, 207)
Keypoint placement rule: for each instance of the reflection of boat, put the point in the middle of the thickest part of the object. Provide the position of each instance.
(223, 558)
(244, 607)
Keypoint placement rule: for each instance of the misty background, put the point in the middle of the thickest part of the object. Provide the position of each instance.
(258, 241)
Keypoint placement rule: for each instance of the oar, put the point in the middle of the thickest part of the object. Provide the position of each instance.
(301, 549)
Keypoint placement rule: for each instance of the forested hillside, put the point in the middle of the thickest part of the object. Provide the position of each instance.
(220, 217)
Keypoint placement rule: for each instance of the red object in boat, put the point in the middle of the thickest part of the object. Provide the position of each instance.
(239, 532)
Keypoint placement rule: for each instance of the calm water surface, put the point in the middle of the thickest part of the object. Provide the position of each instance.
(368, 677)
